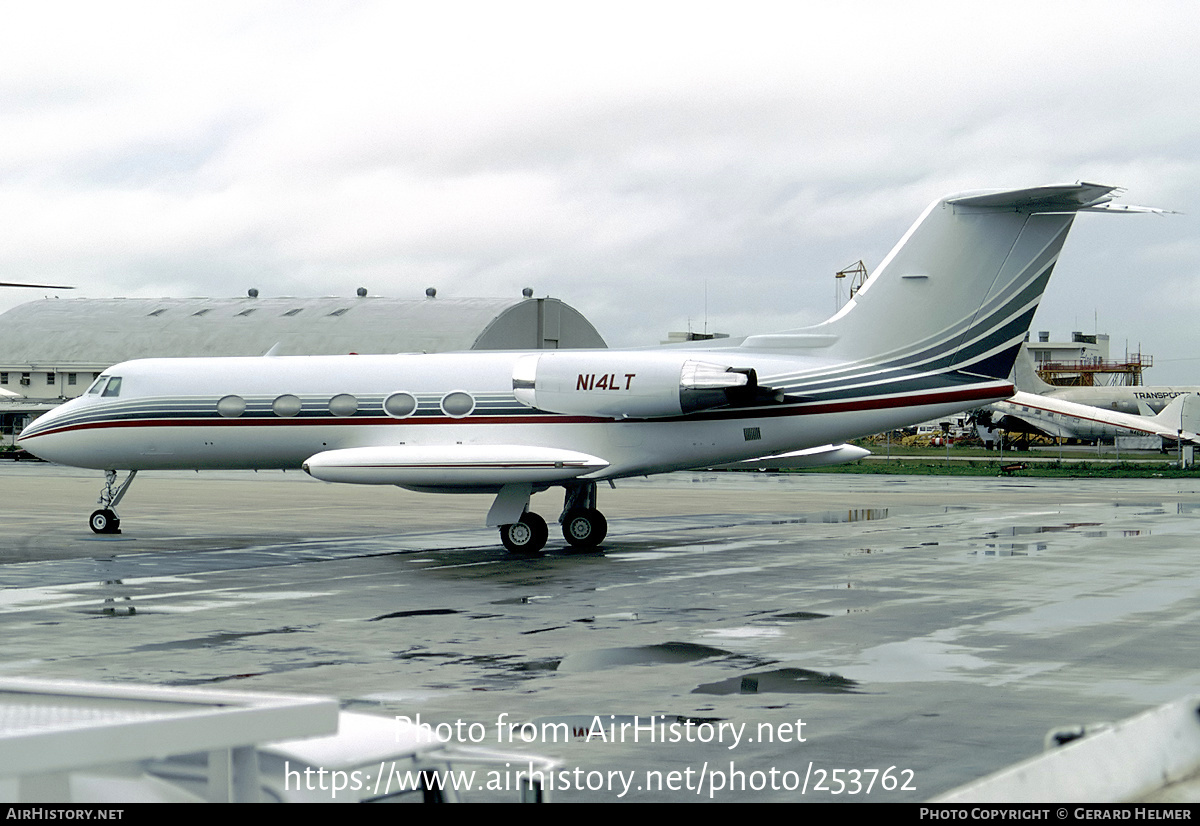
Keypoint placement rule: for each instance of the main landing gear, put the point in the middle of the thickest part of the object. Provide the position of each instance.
(527, 535)
(582, 525)
(106, 520)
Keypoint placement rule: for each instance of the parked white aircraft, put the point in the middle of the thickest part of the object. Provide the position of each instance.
(1030, 412)
(934, 331)
(1140, 400)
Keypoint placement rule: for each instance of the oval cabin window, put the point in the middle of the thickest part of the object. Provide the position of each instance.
(231, 406)
(343, 405)
(458, 404)
(286, 406)
(400, 405)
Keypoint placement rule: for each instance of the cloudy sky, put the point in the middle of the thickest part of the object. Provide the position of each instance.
(657, 165)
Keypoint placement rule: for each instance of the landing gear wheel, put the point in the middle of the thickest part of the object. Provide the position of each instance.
(528, 536)
(585, 528)
(104, 521)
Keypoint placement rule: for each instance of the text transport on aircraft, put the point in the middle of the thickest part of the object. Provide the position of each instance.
(933, 332)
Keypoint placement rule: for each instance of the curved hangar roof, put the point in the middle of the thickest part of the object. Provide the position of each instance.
(90, 331)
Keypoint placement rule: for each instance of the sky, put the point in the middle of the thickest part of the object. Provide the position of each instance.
(657, 165)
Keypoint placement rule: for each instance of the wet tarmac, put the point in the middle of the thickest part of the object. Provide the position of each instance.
(753, 632)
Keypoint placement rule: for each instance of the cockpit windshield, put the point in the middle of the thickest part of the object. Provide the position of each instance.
(105, 386)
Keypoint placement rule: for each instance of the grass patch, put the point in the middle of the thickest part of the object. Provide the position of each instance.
(982, 467)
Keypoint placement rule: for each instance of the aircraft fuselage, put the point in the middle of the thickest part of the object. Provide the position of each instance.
(270, 413)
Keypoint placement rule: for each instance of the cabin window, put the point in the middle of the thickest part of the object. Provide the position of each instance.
(113, 388)
(97, 386)
(400, 405)
(343, 405)
(286, 406)
(457, 404)
(231, 406)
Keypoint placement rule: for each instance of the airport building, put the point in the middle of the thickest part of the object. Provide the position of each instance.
(1084, 361)
(51, 350)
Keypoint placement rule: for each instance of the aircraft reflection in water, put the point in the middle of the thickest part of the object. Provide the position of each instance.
(934, 331)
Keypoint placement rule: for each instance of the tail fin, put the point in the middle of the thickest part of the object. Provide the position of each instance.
(1182, 415)
(1025, 376)
(960, 289)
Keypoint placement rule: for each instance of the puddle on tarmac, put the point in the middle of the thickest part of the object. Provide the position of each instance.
(670, 653)
(1010, 549)
(508, 668)
(848, 515)
(775, 681)
(1025, 549)
(613, 728)
(782, 681)
(1027, 530)
(852, 515)
(420, 612)
(213, 640)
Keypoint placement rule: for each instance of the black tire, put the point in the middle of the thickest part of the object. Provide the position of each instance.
(526, 536)
(585, 528)
(104, 521)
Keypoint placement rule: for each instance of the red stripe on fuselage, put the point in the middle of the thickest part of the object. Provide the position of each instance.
(979, 394)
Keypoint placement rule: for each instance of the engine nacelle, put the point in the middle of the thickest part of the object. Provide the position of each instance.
(634, 385)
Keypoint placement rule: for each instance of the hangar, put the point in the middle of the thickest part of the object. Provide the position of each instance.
(52, 349)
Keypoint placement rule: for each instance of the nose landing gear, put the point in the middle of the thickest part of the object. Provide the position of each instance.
(105, 520)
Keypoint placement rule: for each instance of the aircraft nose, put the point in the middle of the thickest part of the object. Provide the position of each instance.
(32, 429)
(36, 437)
(37, 426)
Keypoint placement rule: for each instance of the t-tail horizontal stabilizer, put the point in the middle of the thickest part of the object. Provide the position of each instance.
(959, 291)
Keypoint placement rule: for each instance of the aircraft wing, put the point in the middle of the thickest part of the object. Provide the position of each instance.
(451, 466)
(1039, 427)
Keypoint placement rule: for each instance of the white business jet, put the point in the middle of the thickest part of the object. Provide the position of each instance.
(933, 332)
